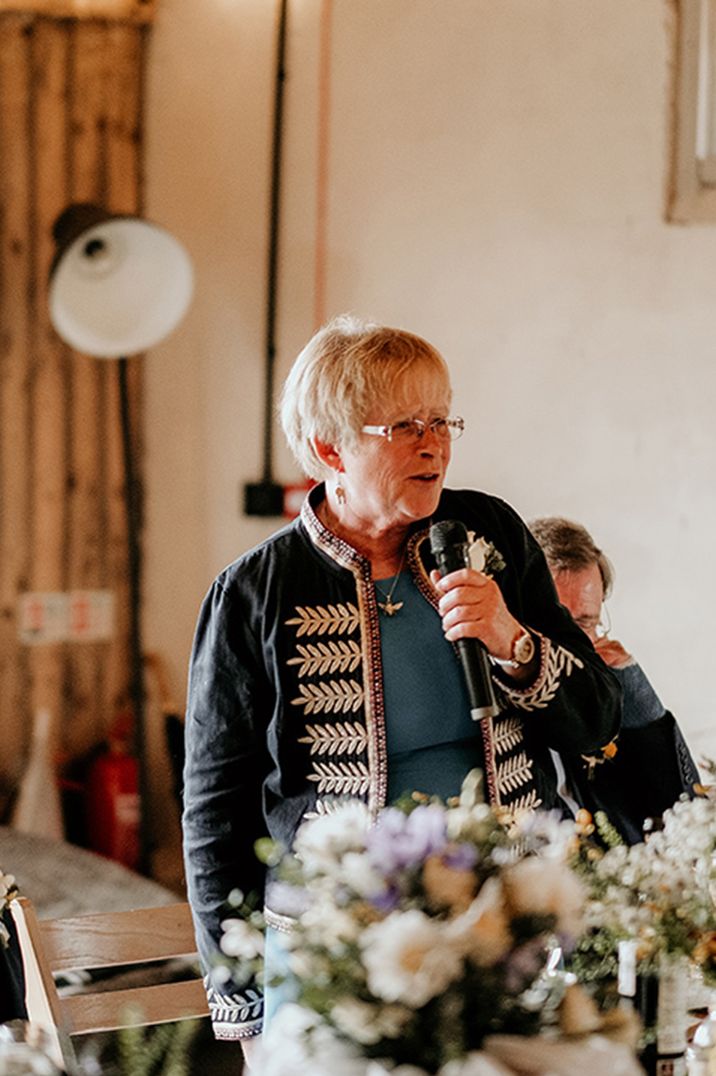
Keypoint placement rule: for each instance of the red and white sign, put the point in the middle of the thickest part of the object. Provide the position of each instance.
(59, 616)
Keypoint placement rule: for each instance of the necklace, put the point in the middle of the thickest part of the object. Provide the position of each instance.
(389, 607)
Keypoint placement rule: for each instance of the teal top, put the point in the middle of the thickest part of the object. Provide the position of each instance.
(432, 740)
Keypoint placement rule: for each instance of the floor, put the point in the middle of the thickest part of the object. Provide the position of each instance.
(212, 1058)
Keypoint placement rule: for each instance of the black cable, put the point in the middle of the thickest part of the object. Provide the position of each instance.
(273, 249)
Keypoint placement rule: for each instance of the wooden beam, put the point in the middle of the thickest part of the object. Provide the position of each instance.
(16, 256)
(124, 10)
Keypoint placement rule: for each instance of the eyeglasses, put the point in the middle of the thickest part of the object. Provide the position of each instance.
(412, 430)
(600, 627)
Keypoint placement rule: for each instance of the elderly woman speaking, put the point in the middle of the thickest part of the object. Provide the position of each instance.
(322, 664)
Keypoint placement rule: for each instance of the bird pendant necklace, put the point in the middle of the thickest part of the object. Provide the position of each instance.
(389, 607)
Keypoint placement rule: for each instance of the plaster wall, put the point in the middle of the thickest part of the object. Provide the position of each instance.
(496, 182)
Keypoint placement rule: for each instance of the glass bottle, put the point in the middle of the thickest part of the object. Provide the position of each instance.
(662, 1001)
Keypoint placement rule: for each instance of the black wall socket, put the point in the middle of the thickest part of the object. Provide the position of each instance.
(263, 499)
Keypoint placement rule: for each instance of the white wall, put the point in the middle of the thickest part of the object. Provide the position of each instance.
(497, 179)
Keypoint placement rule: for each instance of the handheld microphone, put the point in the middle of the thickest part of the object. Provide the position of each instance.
(449, 545)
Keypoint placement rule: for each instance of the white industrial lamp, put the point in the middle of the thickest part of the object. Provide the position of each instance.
(118, 286)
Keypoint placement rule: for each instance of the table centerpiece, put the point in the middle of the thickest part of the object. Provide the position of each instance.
(430, 941)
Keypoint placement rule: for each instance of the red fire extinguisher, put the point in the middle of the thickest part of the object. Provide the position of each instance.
(112, 797)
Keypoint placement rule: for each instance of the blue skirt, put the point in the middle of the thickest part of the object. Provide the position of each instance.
(276, 965)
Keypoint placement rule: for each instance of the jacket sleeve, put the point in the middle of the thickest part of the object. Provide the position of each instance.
(575, 700)
(224, 770)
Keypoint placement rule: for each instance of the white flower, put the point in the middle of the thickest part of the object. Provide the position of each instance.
(299, 1042)
(241, 940)
(478, 551)
(368, 1023)
(409, 957)
(361, 875)
(384, 1067)
(387, 1068)
(322, 842)
(476, 1064)
(8, 891)
(329, 926)
(483, 556)
(542, 887)
(7, 885)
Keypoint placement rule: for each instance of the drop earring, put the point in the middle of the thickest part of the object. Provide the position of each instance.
(340, 494)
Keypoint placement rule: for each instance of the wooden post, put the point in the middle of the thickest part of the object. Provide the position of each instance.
(15, 268)
(71, 83)
(86, 108)
(48, 362)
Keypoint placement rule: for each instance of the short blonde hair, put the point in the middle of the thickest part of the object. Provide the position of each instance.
(344, 369)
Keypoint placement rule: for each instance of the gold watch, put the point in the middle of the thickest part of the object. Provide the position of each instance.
(523, 651)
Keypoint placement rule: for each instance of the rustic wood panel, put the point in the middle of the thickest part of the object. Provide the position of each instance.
(15, 260)
(47, 361)
(134, 10)
(70, 130)
(86, 110)
(124, 192)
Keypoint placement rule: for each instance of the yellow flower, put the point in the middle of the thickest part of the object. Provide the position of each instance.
(535, 886)
(484, 930)
(446, 886)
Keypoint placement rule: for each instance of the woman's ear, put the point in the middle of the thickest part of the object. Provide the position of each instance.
(327, 454)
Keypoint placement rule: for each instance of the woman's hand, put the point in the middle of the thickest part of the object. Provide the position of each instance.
(472, 607)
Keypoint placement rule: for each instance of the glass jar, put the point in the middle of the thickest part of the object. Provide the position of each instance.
(23, 1051)
(701, 1054)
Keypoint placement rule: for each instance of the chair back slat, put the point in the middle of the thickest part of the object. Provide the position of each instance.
(113, 938)
(114, 1009)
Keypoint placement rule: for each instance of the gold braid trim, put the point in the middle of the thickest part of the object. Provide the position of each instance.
(556, 663)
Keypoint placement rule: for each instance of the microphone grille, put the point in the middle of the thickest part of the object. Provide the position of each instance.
(446, 534)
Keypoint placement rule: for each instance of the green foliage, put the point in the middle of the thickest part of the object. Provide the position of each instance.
(162, 1050)
(609, 835)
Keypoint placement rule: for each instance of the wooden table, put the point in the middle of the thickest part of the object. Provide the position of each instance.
(62, 879)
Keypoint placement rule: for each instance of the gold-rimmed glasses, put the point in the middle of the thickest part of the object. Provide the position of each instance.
(412, 430)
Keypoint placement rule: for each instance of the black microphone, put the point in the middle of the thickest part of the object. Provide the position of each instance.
(450, 545)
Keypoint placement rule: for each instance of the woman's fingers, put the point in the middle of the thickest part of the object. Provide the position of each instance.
(472, 607)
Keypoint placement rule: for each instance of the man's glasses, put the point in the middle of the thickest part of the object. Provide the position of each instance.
(600, 627)
(413, 430)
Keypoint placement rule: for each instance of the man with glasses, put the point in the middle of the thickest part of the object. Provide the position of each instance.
(652, 765)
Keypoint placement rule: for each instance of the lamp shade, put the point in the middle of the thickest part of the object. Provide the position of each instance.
(118, 284)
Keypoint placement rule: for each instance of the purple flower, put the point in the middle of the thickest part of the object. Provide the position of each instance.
(401, 841)
(387, 900)
(524, 964)
(461, 857)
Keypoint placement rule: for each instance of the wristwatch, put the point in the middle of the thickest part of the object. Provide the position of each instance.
(523, 650)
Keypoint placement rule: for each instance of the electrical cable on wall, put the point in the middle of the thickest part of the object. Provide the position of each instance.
(265, 498)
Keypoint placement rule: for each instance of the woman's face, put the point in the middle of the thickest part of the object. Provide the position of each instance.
(391, 483)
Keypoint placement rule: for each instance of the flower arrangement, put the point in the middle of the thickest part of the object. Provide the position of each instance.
(8, 892)
(422, 936)
(658, 894)
(484, 556)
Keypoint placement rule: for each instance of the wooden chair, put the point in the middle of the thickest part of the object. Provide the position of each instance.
(107, 940)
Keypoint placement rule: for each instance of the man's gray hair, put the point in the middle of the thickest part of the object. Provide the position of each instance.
(569, 547)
